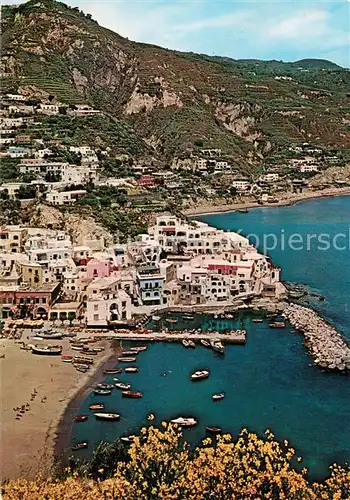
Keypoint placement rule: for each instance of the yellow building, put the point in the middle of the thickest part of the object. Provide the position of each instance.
(12, 238)
(31, 273)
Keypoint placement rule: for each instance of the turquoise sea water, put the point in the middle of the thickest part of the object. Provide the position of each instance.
(270, 382)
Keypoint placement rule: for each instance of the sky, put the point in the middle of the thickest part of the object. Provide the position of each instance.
(286, 30)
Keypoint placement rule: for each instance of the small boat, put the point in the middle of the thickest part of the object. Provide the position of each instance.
(218, 396)
(243, 210)
(217, 346)
(191, 344)
(188, 317)
(81, 418)
(102, 392)
(229, 316)
(131, 394)
(83, 359)
(97, 406)
(121, 385)
(200, 375)
(107, 416)
(129, 353)
(76, 348)
(66, 357)
(47, 350)
(185, 421)
(105, 386)
(185, 343)
(80, 446)
(131, 369)
(213, 430)
(139, 349)
(81, 369)
(128, 439)
(51, 336)
(205, 343)
(258, 320)
(277, 324)
(171, 321)
(156, 318)
(126, 360)
(113, 371)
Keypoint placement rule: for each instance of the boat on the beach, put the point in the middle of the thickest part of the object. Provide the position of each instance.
(213, 430)
(258, 320)
(126, 360)
(200, 375)
(217, 396)
(132, 394)
(131, 369)
(76, 347)
(185, 421)
(105, 386)
(139, 348)
(97, 406)
(277, 324)
(80, 446)
(107, 416)
(67, 359)
(83, 360)
(81, 418)
(206, 343)
(122, 386)
(47, 350)
(102, 392)
(113, 371)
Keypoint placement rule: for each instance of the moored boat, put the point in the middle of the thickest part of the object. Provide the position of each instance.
(213, 430)
(131, 369)
(131, 394)
(219, 395)
(277, 324)
(113, 371)
(200, 375)
(122, 386)
(258, 320)
(102, 392)
(97, 406)
(185, 421)
(105, 386)
(107, 416)
(191, 344)
(206, 343)
(81, 418)
(128, 439)
(139, 348)
(129, 353)
(126, 360)
(217, 346)
(80, 446)
(171, 321)
(185, 343)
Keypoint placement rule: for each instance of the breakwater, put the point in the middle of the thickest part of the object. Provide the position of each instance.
(328, 348)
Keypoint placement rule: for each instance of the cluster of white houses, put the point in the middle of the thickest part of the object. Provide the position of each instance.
(177, 263)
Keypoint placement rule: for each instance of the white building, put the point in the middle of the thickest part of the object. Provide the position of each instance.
(42, 153)
(308, 168)
(16, 97)
(64, 197)
(48, 109)
(42, 167)
(272, 177)
(76, 174)
(107, 302)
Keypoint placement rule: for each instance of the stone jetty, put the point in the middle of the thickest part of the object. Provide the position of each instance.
(328, 348)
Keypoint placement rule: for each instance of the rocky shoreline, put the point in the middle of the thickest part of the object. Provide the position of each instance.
(328, 348)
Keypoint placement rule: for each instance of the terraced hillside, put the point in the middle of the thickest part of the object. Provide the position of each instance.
(250, 109)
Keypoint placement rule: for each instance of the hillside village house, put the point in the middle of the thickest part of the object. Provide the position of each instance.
(64, 197)
(49, 109)
(308, 168)
(41, 166)
(271, 177)
(241, 185)
(150, 285)
(16, 97)
(12, 238)
(75, 174)
(17, 152)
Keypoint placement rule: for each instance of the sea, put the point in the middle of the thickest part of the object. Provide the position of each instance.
(270, 383)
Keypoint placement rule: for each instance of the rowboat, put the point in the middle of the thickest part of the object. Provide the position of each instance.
(138, 349)
(131, 369)
(107, 416)
(81, 418)
(128, 439)
(122, 386)
(185, 343)
(200, 375)
(113, 371)
(214, 430)
(126, 360)
(105, 386)
(171, 321)
(205, 343)
(218, 396)
(185, 421)
(103, 392)
(131, 394)
(129, 353)
(258, 320)
(97, 406)
(191, 344)
(80, 446)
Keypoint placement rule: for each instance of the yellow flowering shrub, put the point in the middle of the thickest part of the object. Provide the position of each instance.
(161, 466)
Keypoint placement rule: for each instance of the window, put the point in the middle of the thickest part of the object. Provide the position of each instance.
(95, 307)
(96, 317)
(43, 300)
(37, 300)
(30, 270)
(156, 294)
(148, 294)
(15, 237)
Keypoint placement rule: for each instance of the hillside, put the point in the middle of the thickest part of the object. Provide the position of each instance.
(161, 102)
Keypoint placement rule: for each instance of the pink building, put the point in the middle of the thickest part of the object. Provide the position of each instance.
(99, 268)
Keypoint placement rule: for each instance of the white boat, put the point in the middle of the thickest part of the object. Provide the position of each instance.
(185, 343)
(185, 421)
(47, 350)
(200, 375)
(217, 346)
(131, 369)
(107, 416)
(191, 344)
(156, 318)
(128, 439)
(122, 386)
(206, 343)
(139, 349)
(126, 360)
(218, 396)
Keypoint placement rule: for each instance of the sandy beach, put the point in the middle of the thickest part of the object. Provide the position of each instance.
(288, 199)
(46, 386)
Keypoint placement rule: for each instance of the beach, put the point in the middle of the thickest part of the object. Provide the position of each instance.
(46, 387)
(287, 199)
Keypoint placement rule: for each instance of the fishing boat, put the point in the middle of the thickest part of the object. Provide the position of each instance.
(213, 430)
(122, 386)
(97, 406)
(81, 418)
(217, 396)
(200, 375)
(107, 416)
(258, 320)
(80, 446)
(128, 439)
(191, 344)
(129, 353)
(139, 349)
(206, 343)
(185, 343)
(185, 421)
(126, 360)
(277, 324)
(51, 336)
(105, 386)
(113, 371)
(131, 369)
(47, 350)
(102, 392)
(132, 394)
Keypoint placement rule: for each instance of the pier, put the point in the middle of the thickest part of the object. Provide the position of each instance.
(327, 346)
